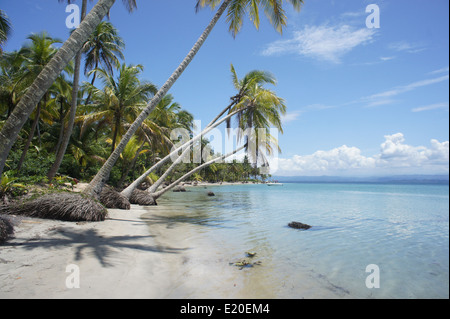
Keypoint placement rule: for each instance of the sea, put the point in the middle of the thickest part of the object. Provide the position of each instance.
(383, 241)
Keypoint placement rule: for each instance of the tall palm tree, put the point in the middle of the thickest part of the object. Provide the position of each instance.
(10, 131)
(261, 110)
(12, 80)
(120, 100)
(48, 75)
(5, 29)
(276, 16)
(103, 48)
(37, 54)
(100, 47)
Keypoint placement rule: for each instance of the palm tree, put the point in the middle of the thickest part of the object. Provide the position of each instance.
(12, 80)
(120, 100)
(48, 75)
(41, 84)
(5, 29)
(261, 110)
(59, 105)
(100, 47)
(158, 194)
(103, 48)
(276, 16)
(37, 55)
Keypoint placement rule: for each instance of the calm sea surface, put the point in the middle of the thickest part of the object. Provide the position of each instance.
(402, 229)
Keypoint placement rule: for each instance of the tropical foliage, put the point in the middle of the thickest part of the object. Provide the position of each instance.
(116, 126)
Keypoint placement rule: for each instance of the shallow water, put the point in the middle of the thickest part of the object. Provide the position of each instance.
(402, 229)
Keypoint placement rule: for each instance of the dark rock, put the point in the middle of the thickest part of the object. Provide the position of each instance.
(298, 225)
(211, 194)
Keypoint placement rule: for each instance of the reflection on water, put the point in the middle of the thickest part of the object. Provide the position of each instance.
(401, 228)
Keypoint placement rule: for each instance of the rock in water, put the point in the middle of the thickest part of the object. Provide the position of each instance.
(298, 225)
(211, 194)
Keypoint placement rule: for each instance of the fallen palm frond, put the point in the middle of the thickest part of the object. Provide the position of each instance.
(113, 199)
(142, 198)
(60, 206)
(6, 228)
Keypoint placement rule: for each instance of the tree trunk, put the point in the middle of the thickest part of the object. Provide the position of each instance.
(30, 137)
(182, 178)
(96, 185)
(129, 190)
(73, 109)
(88, 99)
(12, 127)
(116, 130)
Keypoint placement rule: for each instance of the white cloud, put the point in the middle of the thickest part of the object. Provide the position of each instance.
(406, 47)
(443, 70)
(431, 107)
(395, 157)
(323, 42)
(290, 117)
(386, 97)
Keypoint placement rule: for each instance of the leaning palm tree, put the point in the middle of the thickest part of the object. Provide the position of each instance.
(236, 11)
(245, 88)
(5, 29)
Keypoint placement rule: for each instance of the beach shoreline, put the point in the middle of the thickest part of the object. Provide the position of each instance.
(129, 255)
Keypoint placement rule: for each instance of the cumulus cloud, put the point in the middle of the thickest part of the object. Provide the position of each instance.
(394, 157)
(323, 42)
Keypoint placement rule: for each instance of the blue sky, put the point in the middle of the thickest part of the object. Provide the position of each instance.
(360, 101)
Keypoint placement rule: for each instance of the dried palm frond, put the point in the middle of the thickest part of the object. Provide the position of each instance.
(113, 199)
(60, 206)
(142, 198)
(6, 228)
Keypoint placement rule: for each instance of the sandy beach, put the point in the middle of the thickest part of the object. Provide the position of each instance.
(129, 255)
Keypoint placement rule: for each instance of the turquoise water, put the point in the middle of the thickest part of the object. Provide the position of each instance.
(403, 229)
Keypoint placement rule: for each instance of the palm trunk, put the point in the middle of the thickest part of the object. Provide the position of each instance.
(30, 137)
(116, 130)
(88, 99)
(61, 130)
(73, 110)
(182, 178)
(12, 127)
(129, 190)
(161, 179)
(96, 185)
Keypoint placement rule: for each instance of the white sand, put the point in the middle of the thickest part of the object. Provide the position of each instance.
(121, 257)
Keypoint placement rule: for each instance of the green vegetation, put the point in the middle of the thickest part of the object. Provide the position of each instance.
(116, 128)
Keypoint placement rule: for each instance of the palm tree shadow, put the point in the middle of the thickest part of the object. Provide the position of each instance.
(91, 242)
